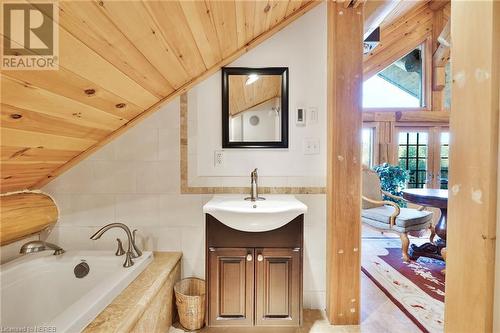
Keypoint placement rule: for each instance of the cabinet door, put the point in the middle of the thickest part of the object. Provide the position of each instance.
(278, 287)
(231, 287)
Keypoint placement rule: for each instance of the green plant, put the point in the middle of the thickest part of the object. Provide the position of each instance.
(393, 179)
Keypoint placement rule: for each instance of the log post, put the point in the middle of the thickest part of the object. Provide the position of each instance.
(24, 214)
(344, 123)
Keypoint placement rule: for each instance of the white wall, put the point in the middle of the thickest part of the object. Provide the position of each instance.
(302, 48)
(135, 178)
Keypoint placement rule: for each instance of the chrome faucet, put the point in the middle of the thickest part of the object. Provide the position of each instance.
(37, 246)
(132, 249)
(254, 187)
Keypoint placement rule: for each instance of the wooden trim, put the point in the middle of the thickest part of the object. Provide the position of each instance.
(407, 116)
(472, 206)
(375, 127)
(186, 189)
(344, 89)
(427, 67)
(182, 89)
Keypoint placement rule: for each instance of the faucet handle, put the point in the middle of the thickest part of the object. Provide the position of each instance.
(120, 251)
(253, 174)
(135, 249)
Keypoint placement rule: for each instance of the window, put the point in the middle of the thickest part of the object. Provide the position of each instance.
(447, 86)
(412, 154)
(398, 85)
(443, 163)
(368, 144)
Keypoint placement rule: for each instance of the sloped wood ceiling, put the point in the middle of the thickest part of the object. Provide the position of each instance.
(407, 25)
(119, 61)
(122, 60)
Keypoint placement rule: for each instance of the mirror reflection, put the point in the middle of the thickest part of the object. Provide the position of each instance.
(254, 107)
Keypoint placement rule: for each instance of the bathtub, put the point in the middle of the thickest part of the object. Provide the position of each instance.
(40, 293)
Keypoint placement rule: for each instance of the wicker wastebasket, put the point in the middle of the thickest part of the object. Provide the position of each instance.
(190, 300)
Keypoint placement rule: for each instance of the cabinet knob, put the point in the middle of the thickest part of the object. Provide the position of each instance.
(260, 257)
(249, 257)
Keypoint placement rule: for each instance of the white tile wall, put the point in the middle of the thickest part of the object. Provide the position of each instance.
(135, 180)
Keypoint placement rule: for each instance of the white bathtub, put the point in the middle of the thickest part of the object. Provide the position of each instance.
(41, 290)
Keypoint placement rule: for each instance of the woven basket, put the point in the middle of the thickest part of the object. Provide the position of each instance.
(190, 300)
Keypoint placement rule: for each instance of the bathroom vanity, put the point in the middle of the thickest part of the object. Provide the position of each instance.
(254, 261)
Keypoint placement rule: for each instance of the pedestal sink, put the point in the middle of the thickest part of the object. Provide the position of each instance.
(254, 216)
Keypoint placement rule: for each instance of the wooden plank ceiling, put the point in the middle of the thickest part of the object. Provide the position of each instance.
(118, 62)
(403, 28)
(122, 60)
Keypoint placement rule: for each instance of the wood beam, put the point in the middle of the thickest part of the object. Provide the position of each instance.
(24, 214)
(407, 116)
(344, 89)
(398, 39)
(438, 4)
(472, 206)
(441, 56)
(438, 79)
(444, 37)
(375, 13)
(442, 53)
(440, 24)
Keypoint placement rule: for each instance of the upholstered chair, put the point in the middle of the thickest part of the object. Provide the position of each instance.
(387, 216)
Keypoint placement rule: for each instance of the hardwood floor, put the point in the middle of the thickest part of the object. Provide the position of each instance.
(378, 315)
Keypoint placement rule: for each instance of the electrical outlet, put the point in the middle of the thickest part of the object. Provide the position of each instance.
(218, 158)
(311, 146)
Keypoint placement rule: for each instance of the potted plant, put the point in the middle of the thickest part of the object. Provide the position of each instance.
(393, 179)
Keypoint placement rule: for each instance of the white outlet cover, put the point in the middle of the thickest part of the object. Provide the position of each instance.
(218, 158)
(311, 146)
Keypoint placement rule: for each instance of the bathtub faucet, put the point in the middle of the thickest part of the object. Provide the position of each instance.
(37, 246)
(132, 250)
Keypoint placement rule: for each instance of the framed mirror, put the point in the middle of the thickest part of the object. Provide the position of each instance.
(255, 107)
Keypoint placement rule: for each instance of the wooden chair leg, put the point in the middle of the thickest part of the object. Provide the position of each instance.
(405, 244)
(443, 254)
(433, 233)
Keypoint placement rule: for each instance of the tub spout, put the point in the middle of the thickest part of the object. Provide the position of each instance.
(37, 246)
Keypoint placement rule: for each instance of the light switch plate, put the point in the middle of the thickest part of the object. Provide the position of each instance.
(312, 114)
(300, 117)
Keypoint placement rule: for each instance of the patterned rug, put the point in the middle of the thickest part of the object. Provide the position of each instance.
(417, 288)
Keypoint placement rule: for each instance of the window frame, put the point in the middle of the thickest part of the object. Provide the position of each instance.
(427, 180)
(374, 126)
(426, 44)
(433, 150)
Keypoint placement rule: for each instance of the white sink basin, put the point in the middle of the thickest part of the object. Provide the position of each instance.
(256, 216)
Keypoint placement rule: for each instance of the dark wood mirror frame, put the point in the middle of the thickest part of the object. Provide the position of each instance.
(283, 71)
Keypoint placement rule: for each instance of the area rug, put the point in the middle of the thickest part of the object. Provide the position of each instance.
(417, 288)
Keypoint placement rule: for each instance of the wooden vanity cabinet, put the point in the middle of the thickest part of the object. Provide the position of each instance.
(254, 278)
(231, 280)
(277, 287)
